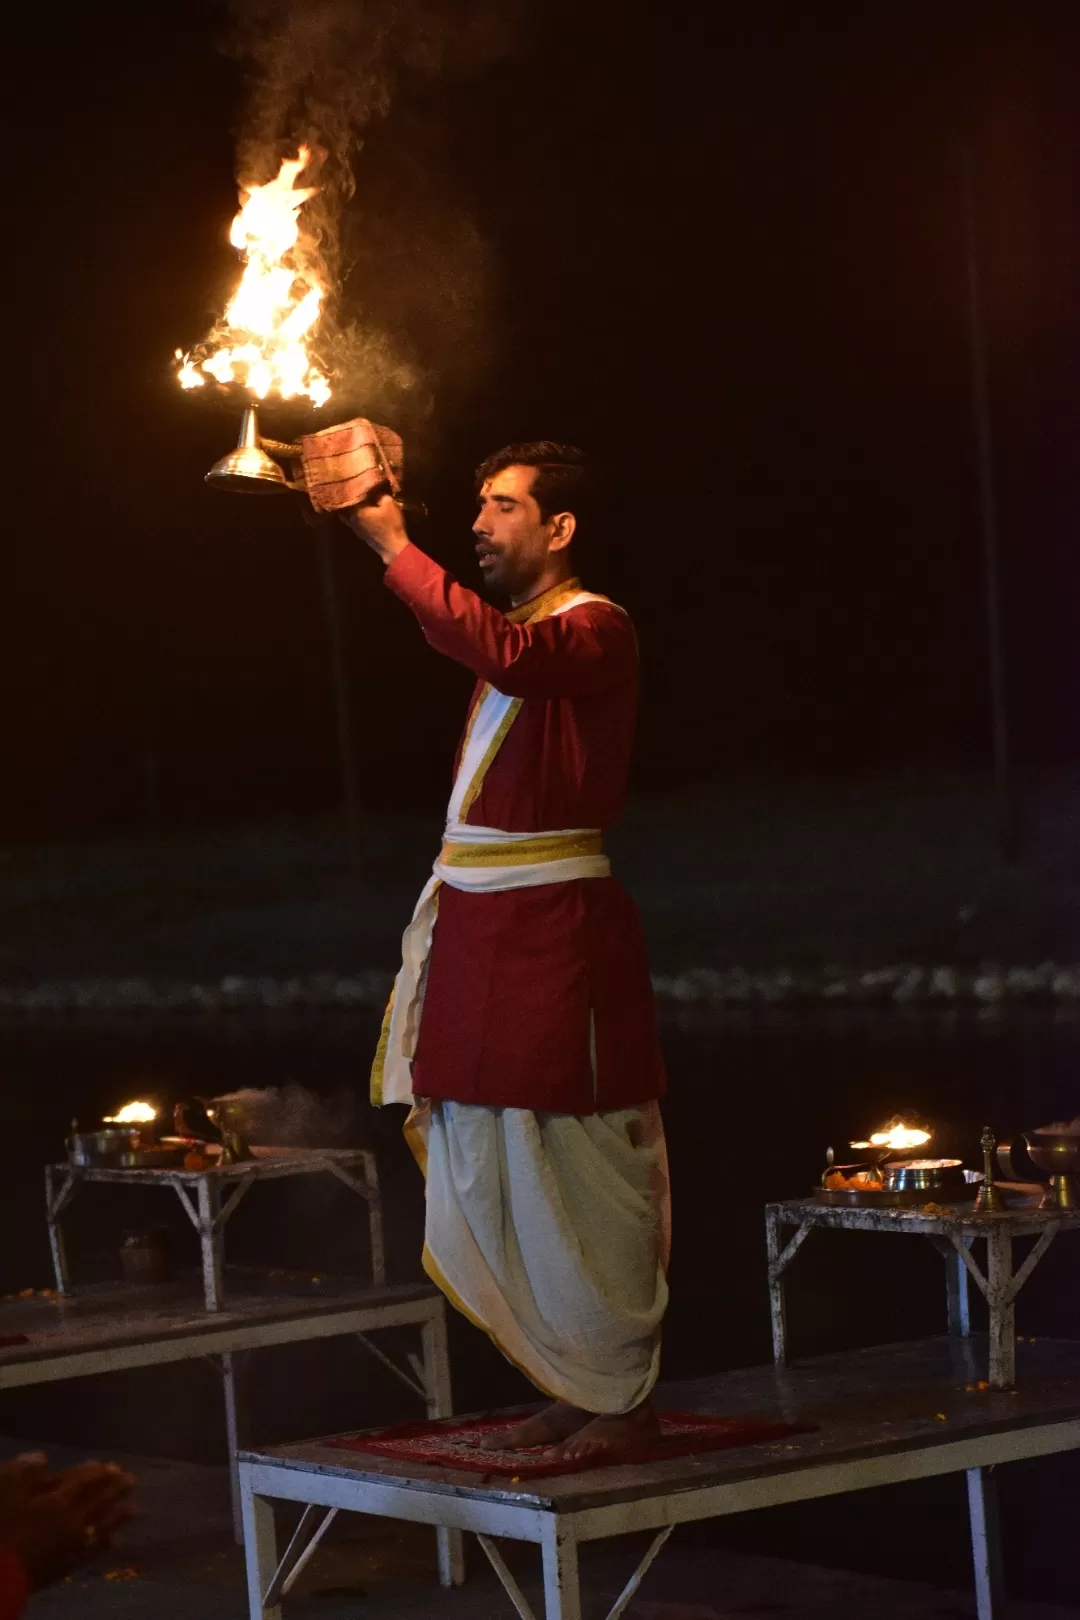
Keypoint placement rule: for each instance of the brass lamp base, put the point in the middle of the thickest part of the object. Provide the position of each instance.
(1062, 1193)
(248, 470)
(989, 1200)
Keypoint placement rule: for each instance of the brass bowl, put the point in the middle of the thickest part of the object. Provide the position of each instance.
(928, 1176)
(1058, 1157)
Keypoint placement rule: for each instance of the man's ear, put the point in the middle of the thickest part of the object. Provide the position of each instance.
(563, 526)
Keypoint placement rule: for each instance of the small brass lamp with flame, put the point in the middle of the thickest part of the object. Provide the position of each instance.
(336, 467)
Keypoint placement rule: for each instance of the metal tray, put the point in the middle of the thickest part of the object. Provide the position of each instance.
(863, 1198)
(152, 1158)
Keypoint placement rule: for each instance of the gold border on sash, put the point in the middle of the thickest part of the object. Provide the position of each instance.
(524, 851)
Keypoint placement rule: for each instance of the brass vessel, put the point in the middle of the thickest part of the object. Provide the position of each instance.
(227, 1115)
(1057, 1156)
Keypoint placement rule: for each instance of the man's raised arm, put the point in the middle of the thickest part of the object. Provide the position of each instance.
(591, 649)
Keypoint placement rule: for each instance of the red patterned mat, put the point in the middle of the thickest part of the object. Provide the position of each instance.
(455, 1443)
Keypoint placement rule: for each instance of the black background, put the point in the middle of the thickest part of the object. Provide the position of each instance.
(722, 247)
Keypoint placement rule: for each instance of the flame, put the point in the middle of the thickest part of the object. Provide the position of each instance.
(133, 1113)
(187, 375)
(262, 340)
(896, 1138)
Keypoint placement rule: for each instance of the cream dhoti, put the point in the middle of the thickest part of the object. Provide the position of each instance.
(548, 1230)
(551, 1232)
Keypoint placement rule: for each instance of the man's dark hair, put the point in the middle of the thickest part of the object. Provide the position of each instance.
(562, 482)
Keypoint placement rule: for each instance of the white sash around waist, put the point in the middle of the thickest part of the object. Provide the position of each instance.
(491, 875)
(391, 1079)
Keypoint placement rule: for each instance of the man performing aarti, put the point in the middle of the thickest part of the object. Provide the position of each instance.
(522, 1025)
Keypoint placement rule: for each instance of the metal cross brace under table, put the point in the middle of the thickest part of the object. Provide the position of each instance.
(953, 1232)
(210, 1196)
(111, 1328)
(882, 1416)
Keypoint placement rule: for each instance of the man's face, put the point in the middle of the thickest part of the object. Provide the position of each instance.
(513, 543)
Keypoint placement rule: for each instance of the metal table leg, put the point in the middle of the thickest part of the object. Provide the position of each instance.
(956, 1286)
(368, 1189)
(436, 1369)
(56, 1201)
(509, 1584)
(779, 1260)
(375, 1227)
(211, 1241)
(1001, 1302)
(999, 1286)
(626, 1596)
(777, 1303)
(314, 1523)
(986, 1544)
(437, 1363)
(260, 1550)
(209, 1216)
(956, 1283)
(237, 1424)
(562, 1588)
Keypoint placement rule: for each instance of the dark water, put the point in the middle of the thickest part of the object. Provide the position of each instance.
(755, 1099)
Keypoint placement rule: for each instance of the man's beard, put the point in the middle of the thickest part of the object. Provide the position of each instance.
(507, 581)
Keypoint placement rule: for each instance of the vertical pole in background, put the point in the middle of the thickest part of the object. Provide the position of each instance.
(1009, 840)
(151, 762)
(150, 715)
(346, 736)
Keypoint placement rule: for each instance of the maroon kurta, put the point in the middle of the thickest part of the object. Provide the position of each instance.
(539, 997)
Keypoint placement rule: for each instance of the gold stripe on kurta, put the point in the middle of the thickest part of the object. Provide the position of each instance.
(472, 791)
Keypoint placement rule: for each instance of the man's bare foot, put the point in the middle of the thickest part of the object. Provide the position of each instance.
(610, 1439)
(556, 1422)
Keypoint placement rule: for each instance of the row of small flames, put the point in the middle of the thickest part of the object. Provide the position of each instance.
(893, 1139)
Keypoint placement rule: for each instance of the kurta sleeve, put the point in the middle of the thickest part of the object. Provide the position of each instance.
(589, 649)
(14, 1586)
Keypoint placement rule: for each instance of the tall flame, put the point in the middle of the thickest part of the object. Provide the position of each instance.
(262, 340)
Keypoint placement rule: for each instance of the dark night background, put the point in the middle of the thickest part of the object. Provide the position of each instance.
(724, 250)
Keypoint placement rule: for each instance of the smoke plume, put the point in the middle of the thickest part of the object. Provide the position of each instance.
(291, 1116)
(322, 72)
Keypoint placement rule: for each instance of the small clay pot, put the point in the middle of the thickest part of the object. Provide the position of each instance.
(146, 1258)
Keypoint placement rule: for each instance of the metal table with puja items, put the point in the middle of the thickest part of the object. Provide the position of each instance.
(953, 1232)
(210, 1196)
